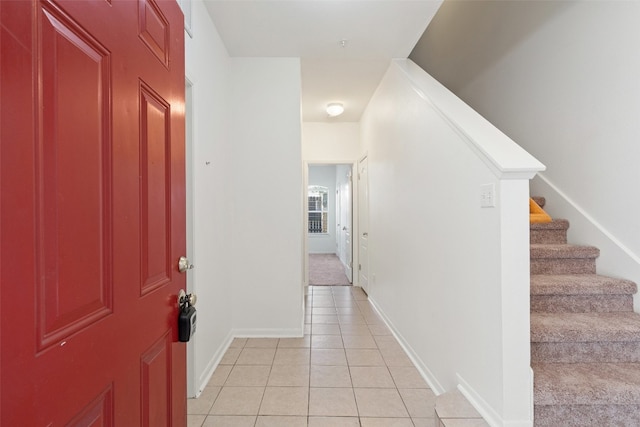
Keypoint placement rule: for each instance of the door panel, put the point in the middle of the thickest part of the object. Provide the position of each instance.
(99, 412)
(156, 383)
(72, 213)
(91, 213)
(155, 152)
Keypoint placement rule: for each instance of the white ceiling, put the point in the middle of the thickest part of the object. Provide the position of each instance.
(375, 32)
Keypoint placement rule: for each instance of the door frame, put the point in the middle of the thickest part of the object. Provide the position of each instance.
(192, 387)
(305, 216)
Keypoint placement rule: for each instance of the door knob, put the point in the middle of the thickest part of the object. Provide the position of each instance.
(185, 298)
(184, 264)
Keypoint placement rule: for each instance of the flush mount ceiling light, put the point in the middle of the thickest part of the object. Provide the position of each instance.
(335, 109)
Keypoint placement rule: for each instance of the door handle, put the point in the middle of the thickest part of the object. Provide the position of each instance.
(184, 264)
(365, 234)
(186, 299)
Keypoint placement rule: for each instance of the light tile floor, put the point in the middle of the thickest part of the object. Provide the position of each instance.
(347, 371)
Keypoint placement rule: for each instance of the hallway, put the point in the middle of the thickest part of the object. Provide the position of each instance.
(327, 269)
(347, 371)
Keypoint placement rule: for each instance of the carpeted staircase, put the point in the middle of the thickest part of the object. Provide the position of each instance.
(585, 337)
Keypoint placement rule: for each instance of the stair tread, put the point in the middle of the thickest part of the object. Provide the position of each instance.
(585, 327)
(587, 383)
(580, 284)
(541, 201)
(562, 251)
(555, 224)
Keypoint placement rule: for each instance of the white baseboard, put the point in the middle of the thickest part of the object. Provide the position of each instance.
(484, 409)
(268, 333)
(206, 375)
(424, 371)
(616, 259)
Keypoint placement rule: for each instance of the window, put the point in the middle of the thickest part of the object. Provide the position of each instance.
(318, 198)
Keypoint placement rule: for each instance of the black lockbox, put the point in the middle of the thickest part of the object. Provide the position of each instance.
(186, 323)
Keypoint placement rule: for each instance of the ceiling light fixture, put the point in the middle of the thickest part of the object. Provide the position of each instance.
(335, 109)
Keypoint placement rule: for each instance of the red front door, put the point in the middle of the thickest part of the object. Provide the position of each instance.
(91, 212)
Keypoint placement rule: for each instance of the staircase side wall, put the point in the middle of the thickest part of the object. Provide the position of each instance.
(449, 276)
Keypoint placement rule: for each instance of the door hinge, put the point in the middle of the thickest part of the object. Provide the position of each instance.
(350, 264)
(359, 267)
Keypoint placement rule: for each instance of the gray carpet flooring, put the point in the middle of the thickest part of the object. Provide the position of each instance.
(326, 269)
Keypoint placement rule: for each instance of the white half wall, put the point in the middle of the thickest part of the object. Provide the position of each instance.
(324, 243)
(206, 56)
(450, 277)
(266, 185)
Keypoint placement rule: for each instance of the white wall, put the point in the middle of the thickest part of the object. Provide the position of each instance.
(321, 243)
(247, 197)
(206, 56)
(561, 78)
(451, 278)
(267, 196)
(330, 142)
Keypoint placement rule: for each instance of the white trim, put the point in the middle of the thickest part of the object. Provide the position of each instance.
(424, 371)
(593, 221)
(485, 410)
(479, 404)
(485, 140)
(305, 219)
(207, 373)
(190, 223)
(185, 6)
(269, 333)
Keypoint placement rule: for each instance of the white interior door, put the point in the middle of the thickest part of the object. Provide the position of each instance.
(346, 213)
(363, 224)
(339, 226)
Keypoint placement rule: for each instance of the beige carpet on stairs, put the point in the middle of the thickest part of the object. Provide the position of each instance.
(585, 336)
(327, 270)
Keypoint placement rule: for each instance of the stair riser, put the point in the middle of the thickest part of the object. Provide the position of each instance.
(589, 352)
(586, 415)
(563, 266)
(551, 237)
(581, 303)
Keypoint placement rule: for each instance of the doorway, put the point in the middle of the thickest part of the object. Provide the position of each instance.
(329, 222)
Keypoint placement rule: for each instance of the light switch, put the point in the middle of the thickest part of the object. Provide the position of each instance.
(487, 196)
